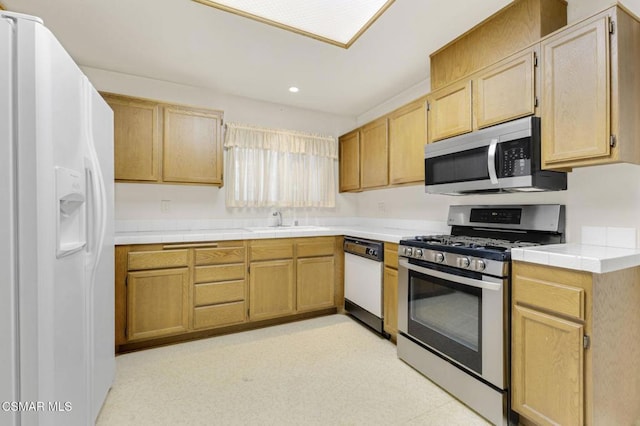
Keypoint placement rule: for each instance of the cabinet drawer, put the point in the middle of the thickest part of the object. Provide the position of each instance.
(219, 315)
(157, 259)
(391, 255)
(565, 300)
(211, 293)
(216, 256)
(206, 274)
(273, 249)
(320, 247)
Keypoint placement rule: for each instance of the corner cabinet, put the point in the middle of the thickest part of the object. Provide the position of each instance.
(591, 90)
(163, 143)
(350, 161)
(569, 331)
(387, 151)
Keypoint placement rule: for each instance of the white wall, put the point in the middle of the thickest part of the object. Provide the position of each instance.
(198, 202)
(596, 196)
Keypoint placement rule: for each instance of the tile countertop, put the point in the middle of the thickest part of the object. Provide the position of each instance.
(581, 257)
(389, 235)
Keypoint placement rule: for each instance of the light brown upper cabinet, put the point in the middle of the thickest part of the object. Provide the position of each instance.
(591, 92)
(499, 93)
(157, 142)
(450, 111)
(374, 154)
(407, 136)
(192, 145)
(137, 138)
(350, 161)
(511, 29)
(506, 90)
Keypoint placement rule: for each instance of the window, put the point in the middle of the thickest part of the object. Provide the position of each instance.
(279, 168)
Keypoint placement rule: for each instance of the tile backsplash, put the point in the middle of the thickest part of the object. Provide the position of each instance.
(610, 236)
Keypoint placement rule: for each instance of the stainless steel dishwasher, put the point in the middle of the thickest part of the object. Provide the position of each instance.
(363, 271)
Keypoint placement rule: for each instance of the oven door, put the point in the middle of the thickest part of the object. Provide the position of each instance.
(461, 318)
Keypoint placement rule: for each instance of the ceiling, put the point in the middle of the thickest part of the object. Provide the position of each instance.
(185, 42)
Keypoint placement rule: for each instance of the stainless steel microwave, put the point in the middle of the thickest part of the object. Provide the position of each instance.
(501, 158)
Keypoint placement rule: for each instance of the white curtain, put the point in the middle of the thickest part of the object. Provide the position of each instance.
(279, 168)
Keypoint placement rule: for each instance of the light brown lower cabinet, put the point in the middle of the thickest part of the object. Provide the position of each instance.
(291, 276)
(390, 290)
(171, 292)
(271, 289)
(575, 346)
(158, 303)
(315, 285)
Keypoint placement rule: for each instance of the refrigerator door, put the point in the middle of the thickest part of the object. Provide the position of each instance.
(8, 288)
(100, 264)
(53, 290)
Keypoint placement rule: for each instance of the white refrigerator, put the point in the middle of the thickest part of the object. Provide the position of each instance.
(56, 233)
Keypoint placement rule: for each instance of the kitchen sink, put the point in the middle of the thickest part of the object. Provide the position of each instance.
(284, 228)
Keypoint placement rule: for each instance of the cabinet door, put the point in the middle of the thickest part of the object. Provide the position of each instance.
(271, 289)
(576, 95)
(157, 303)
(136, 138)
(450, 111)
(192, 146)
(505, 91)
(390, 291)
(315, 283)
(407, 137)
(374, 154)
(548, 368)
(350, 161)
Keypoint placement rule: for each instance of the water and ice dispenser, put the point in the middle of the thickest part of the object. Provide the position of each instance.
(71, 230)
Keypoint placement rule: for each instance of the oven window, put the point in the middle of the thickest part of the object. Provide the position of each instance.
(447, 316)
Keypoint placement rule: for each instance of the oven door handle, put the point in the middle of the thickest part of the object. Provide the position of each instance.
(494, 284)
(491, 161)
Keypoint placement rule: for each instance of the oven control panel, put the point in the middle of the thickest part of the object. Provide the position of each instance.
(455, 260)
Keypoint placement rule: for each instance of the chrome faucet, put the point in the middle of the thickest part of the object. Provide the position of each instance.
(277, 213)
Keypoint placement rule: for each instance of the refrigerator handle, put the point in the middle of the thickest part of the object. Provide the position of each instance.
(98, 196)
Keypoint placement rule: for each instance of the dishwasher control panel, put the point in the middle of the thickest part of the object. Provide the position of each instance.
(370, 249)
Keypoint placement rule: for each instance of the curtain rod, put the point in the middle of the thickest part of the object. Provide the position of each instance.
(278, 131)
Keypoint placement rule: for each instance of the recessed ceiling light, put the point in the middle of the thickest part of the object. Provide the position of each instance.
(294, 89)
(337, 22)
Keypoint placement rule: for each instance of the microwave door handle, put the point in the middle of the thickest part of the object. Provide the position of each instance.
(491, 161)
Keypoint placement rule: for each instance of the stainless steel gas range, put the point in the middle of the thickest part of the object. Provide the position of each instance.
(454, 299)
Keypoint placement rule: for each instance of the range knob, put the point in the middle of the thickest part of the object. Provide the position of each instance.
(408, 251)
(480, 265)
(464, 262)
(419, 253)
(439, 257)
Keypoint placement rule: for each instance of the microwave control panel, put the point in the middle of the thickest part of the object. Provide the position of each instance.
(515, 158)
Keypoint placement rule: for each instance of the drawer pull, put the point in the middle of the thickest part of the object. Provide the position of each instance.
(189, 245)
